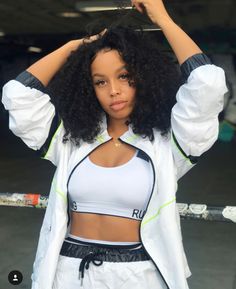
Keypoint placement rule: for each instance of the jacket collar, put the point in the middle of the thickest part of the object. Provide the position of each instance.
(129, 137)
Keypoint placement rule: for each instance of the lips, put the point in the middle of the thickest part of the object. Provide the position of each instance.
(118, 105)
(118, 102)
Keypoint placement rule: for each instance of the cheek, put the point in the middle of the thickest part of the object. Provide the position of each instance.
(97, 93)
(100, 97)
(132, 93)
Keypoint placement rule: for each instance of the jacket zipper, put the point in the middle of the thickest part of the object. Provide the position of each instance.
(145, 212)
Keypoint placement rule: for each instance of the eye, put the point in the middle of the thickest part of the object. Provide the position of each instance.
(99, 83)
(124, 76)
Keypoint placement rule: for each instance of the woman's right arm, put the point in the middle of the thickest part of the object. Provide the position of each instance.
(32, 116)
(45, 68)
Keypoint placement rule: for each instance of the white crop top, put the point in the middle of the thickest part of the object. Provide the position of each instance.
(119, 191)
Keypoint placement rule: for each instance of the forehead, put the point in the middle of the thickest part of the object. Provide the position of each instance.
(107, 60)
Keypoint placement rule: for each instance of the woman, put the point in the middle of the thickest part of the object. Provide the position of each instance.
(111, 220)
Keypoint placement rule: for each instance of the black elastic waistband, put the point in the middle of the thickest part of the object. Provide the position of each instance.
(102, 245)
(110, 253)
(98, 253)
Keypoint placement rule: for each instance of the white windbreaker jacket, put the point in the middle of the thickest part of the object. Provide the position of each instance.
(194, 128)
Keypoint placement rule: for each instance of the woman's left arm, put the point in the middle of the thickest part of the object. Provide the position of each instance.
(194, 117)
(182, 45)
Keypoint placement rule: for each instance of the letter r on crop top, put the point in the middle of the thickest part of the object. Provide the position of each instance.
(122, 191)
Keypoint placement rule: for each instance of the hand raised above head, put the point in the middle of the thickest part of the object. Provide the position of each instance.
(183, 46)
(154, 9)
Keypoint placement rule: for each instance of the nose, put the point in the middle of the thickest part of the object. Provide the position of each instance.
(115, 88)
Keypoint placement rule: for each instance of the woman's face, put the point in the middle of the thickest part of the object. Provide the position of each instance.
(112, 84)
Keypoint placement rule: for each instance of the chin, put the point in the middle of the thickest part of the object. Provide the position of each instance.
(119, 115)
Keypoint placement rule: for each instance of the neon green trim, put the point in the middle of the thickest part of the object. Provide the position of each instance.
(100, 138)
(59, 192)
(158, 212)
(131, 138)
(50, 146)
(172, 139)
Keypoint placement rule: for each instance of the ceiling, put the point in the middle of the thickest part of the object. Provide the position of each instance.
(30, 22)
(43, 16)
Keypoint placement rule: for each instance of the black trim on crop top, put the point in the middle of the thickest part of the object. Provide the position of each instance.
(135, 213)
(142, 155)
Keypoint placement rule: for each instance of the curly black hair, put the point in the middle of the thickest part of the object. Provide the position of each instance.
(154, 73)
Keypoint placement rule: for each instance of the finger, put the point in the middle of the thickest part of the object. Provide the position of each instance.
(139, 6)
(95, 37)
(103, 32)
(89, 39)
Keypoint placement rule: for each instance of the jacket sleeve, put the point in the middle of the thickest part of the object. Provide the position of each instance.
(32, 115)
(194, 118)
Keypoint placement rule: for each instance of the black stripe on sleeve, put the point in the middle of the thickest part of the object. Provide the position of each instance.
(192, 159)
(31, 81)
(192, 63)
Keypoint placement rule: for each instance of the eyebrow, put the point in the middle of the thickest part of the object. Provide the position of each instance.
(101, 75)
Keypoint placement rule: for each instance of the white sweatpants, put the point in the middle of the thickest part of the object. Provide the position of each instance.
(110, 275)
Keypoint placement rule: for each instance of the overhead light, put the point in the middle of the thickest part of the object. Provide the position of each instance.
(34, 49)
(69, 14)
(2, 33)
(95, 6)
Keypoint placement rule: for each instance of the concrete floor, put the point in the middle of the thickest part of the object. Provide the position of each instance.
(210, 246)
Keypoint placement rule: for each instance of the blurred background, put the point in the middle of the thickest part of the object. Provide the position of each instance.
(31, 29)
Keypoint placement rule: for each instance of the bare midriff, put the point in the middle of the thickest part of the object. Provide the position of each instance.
(104, 227)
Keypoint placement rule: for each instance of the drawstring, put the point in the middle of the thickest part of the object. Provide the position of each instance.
(85, 263)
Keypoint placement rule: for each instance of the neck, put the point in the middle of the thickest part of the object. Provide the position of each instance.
(116, 127)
